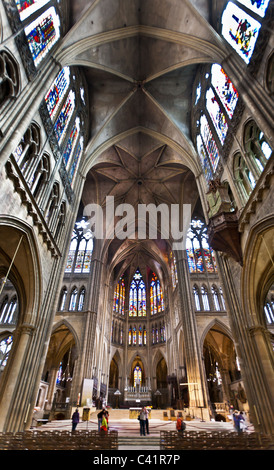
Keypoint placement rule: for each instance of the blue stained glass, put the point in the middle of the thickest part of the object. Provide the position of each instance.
(204, 159)
(71, 141)
(137, 296)
(28, 7)
(258, 6)
(209, 143)
(64, 116)
(217, 116)
(76, 159)
(42, 34)
(57, 91)
(240, 30)
(224, 88)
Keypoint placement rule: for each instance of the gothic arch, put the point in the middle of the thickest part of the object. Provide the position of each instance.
(133, 361)
(258, 269)
(18, 242)
(69, 336)
(222, 328)
(184, 149)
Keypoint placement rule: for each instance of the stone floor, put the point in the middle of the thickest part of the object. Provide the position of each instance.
(129, 430)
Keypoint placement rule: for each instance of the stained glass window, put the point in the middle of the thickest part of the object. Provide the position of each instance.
(57, 91)
(81, 299)
(224, 88)
(134, 336)
(199, 255)
(209, 142)
(204, 159)
(63, 299)
(140, 336)
(81, 248)
(28, 7)
(173, 267)
(42, 34)
(76, 159)
(162, 333)
(197, 298)
(198, 93)
(258, 6)
(4, 307)
(129, 336)
(216, 299)
(205, 298)
(64, 117)
(71, 143)
(156, 296)
(137, 376)
(265, 147)
(84, 253)
(5, 347)
(9, 311)
(73, 299)
(137, 296)
(240, 30)
(59, 374)
(217, 116)
(119, 297)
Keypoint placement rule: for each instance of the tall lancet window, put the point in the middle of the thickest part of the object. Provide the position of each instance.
(57, 92)
(199, 254)
(137, 296)
(28, 7)
(240, 30)
(42, 34)
(81, 248)
(137, 376)
(119, 297)
(156, 296)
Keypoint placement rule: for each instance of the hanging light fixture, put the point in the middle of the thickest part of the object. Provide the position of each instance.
(66, 377)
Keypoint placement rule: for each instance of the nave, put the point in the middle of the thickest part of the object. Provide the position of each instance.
(124, 435)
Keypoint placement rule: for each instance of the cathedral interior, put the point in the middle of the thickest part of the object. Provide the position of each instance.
(127, 126)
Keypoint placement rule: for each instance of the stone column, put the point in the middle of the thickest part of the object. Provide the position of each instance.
(12, 416)
(92, 316)
(193, 359)
(254, 352)
(52, 383)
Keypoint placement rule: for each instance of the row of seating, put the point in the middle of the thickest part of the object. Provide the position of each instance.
(59, 440)
(192, 440)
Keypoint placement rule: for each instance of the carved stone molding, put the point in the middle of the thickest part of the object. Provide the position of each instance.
(256, 197)
(32, 208)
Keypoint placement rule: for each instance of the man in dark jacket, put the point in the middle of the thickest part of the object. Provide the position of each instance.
(75, 419)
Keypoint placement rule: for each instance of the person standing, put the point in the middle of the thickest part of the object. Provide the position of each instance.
(242, 425)
(75, 419)
(147, 423)
(236, 421)
(104, 426)
(100, 417)
(180, 424)
(142, 418)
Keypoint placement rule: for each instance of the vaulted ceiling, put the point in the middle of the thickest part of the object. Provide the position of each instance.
(140, 59)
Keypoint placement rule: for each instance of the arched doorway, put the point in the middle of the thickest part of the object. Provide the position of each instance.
(222, 370)
(58, 374)
(20, 302)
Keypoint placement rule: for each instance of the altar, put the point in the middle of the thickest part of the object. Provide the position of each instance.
(135, 411)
